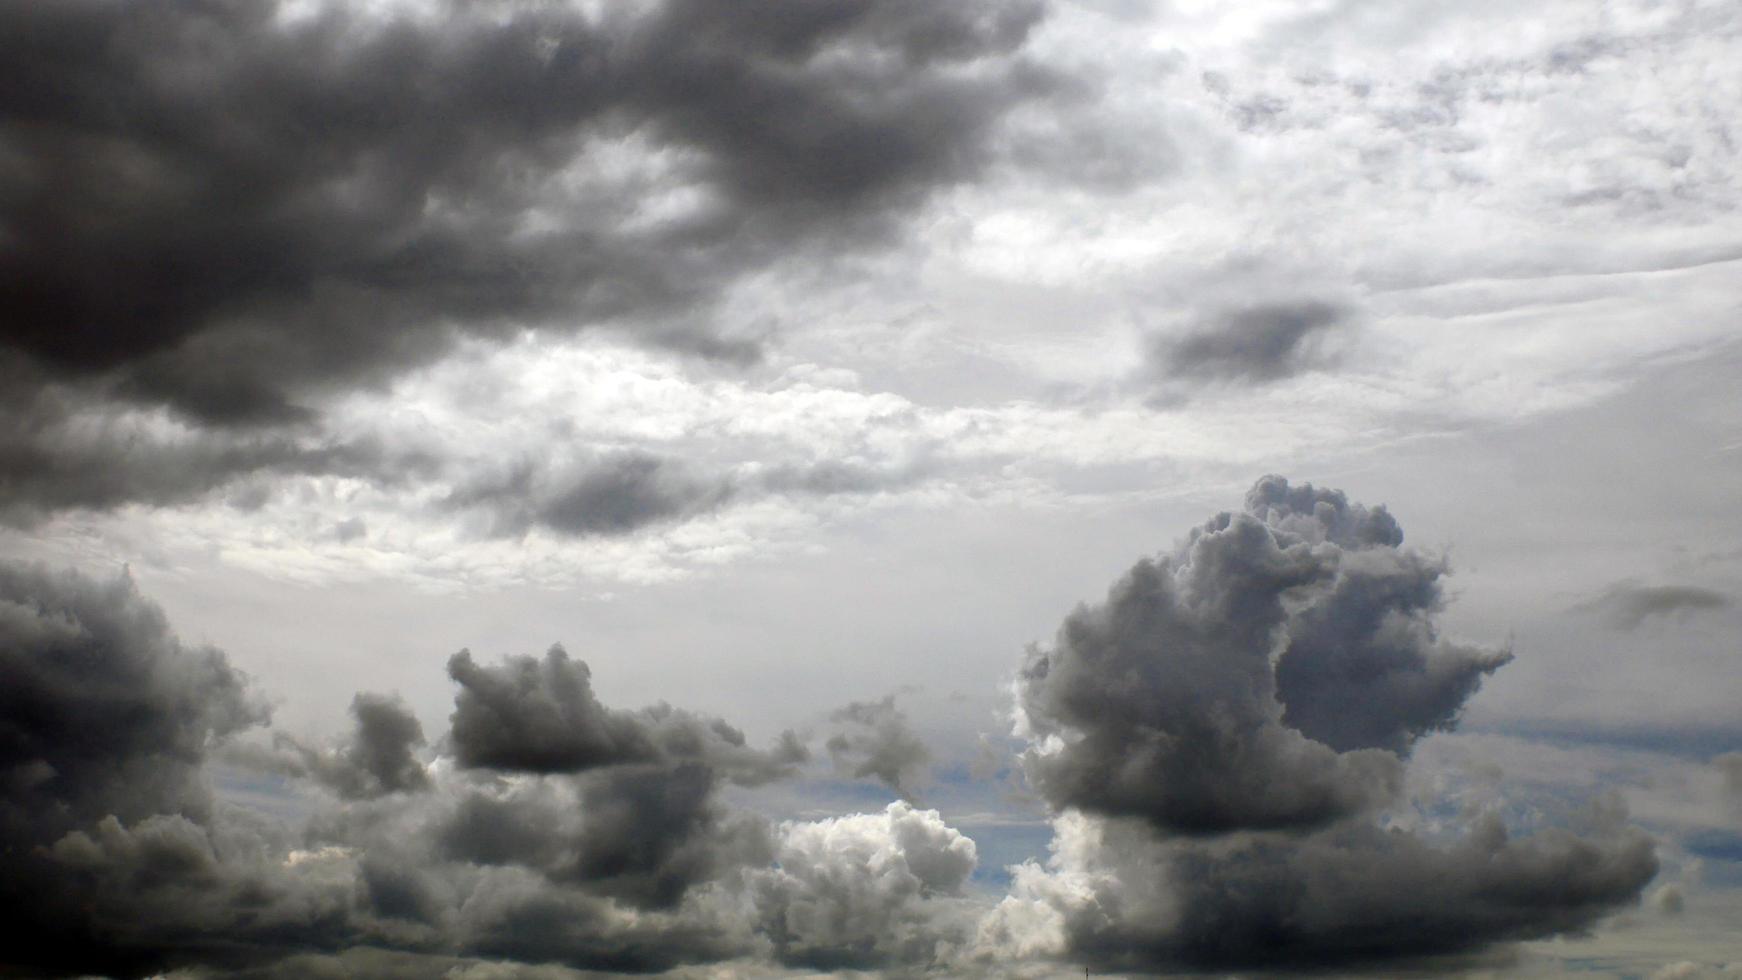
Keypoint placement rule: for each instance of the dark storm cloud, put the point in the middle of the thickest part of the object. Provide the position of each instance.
(1266, 674)
(1364, 665)
(1630, 605)
(872, 740)
(1163, 698)
(1351, 898)
(1256, 344)
(235, 213)
(102, 710)
(532, 715)
(113, 851)
(1222, 734)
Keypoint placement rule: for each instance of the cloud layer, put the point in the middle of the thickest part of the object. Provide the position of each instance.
(237, 211)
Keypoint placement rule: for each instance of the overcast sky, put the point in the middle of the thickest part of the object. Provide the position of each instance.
(990, 488)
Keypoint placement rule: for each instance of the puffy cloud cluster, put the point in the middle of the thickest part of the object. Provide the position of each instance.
(867, 891)
(549, 828)
(1223, 735)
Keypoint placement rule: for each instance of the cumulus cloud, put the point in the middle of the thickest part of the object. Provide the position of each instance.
(866, 891)
(1222, 737)
(105, 722)
(291, 200)
(379, 758)
(1630, 605)
(872, 740)
(1162, 703)
(541, 716)
(104, 712)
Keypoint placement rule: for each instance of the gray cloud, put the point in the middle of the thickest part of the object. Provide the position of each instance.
(1364, 665)
(380, 756)
(103, 710)
(1161, 703)
(1355, 898)
(1253, 344)
(541, 716)
(105, 720)
(1630, 605)
(641, 834)
(624, 492)
(613, 495)
(1220, 737)
(532, 715)
(1266, 674)
(234, 212)
(873, 740)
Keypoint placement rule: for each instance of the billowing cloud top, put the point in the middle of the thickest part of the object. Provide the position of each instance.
(1266, 674)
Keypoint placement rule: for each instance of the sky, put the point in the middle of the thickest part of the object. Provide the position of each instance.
(543, 489)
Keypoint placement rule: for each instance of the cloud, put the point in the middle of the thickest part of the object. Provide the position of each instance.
(1117, 897)
(540, 716)
(643, 835)
(105, 712)
(1197, 828)
(1630, 605)
(614, 495)
(105, 721)
(1162, 703)
(1223, 738)
(866, 891)
(531, 715)
(58, 455)
(290, 202)
(1254, 344)
(379, 758)
(873, 740)
(1364, 665)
